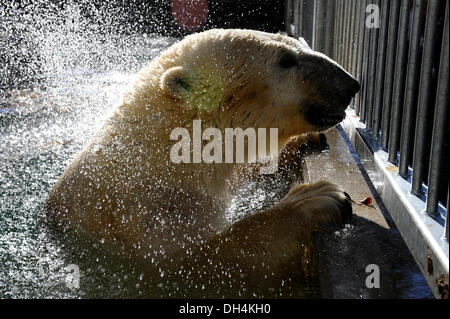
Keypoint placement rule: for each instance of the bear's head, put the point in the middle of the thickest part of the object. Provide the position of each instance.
(245, 78)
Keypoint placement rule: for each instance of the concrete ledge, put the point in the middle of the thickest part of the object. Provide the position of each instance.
(422, 233)
(371, 238)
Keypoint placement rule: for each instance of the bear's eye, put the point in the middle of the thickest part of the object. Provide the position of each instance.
(287, 60)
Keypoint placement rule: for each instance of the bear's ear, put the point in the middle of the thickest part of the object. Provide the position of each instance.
(175, 82)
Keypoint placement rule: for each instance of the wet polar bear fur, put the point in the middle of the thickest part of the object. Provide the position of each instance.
(123, 188)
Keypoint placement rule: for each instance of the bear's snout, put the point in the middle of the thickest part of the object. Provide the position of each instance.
(346, 86)
(333, 82)
(350, 86)
(336, 88)
(353, 87)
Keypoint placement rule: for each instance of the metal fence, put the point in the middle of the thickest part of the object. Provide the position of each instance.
(399, 51)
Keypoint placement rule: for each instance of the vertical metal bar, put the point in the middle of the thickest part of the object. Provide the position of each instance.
(412, 86)
(336, 32)
(339, 44)
(308, 17)
(343, 16)
(348, 17)
(354, 42)
(343, 35)
(357, 8)
(361, 42)
(296, 19)
(308, 21)
(313, 23)
(372, 72)
(320, 25)
(365, 73)
(399, 81)
(338, 29)
(424, 113)
(341, 32)
(351, 35)
(329, 31)
(440, 127)
(391, 55)
(381, 66)
(301, 18)
(288, 16)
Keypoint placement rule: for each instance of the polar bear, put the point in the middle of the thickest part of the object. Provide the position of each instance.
(124, 190)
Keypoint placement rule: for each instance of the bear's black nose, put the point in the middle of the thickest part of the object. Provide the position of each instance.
(347, 89)
(353, 87)
(347, 85)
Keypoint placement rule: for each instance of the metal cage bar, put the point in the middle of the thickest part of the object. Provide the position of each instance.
(348, 18)
(351, 22)
(381, 67)
(321, 25)
(341, 31)
(336, 30)
(399, 82)
(440, 128)
(391, 55)
(365, 75)
(412, 86)
(345, 16)
(373, 59)
(361, 40)
(355, 31)
(330, 22)
(424, 113)
(354, 43)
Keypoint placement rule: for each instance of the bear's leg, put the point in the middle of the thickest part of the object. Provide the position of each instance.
(291, 156)
(289, 161)
(266, 253)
